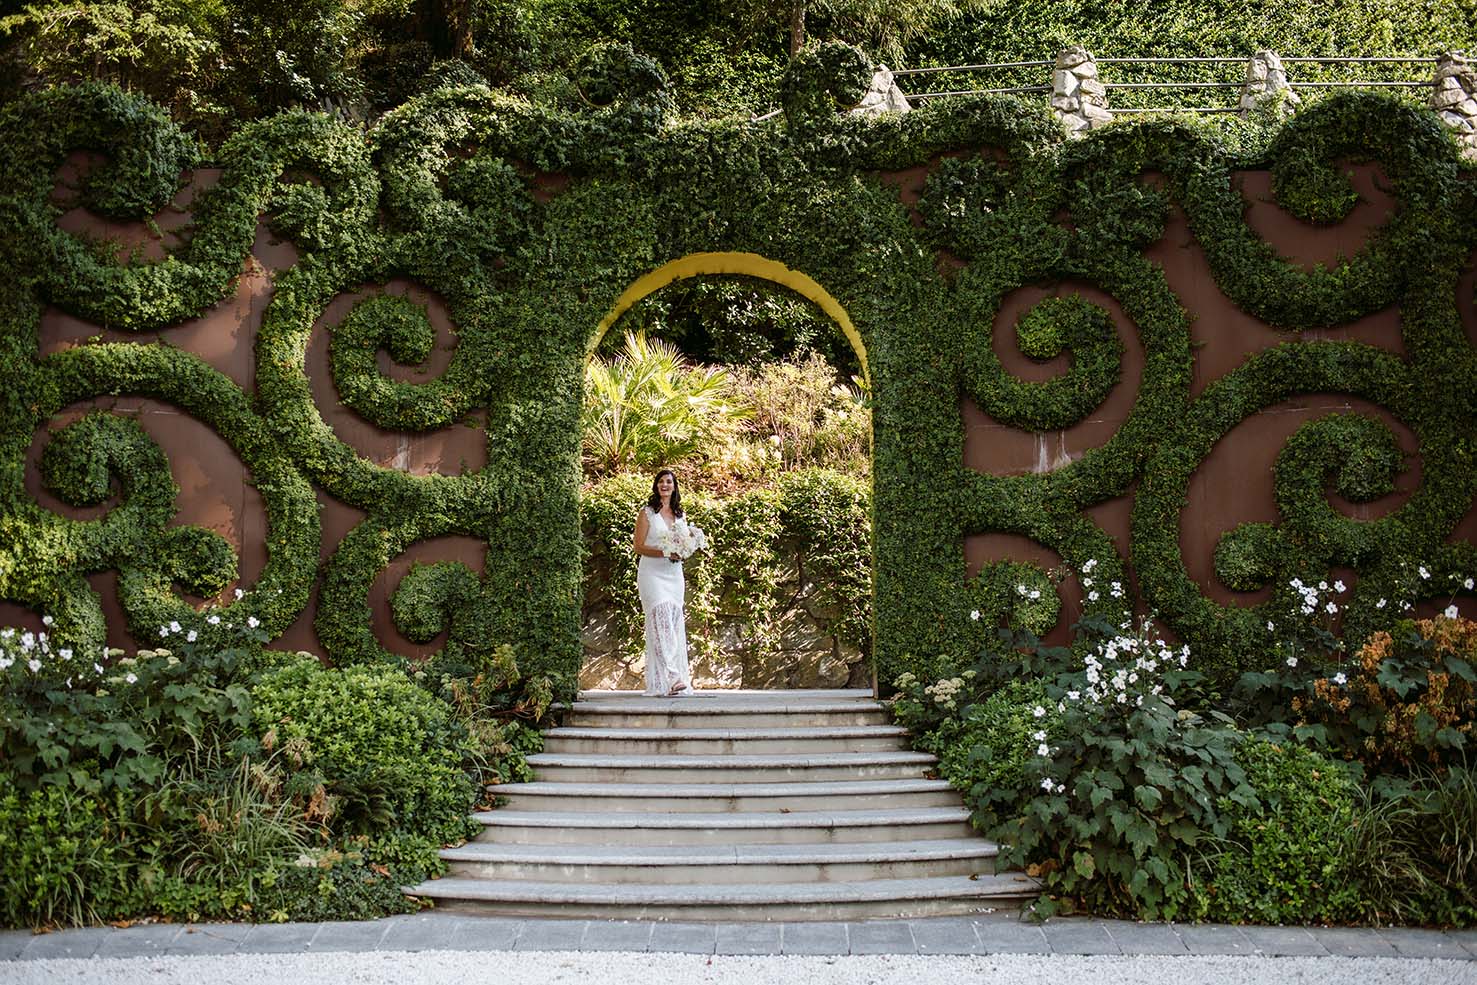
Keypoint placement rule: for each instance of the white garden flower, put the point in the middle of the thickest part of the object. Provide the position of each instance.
(164, 632)
(1087, 583)
(1338, 586)
(34, 664)
(1340, 678)
(1073, 695)
(1331, 608)
(1042, 750)
(28, 640)
(1296, 583)
(1468, 584)
(1046, 784)
(97, 668)
(1380, 604)
(47, 620)
(1451, 612)
(1323, 586)
(131, 678)
(1039, 736)
(191, 636)
(253, 622)
(1020, 589)
(974, 614)
(174, 626)
(1423, 572)
(1092, 596)
(1034, 594)
(65, 653)
(239, 593)
(5, 663)
(213, 620)
(1292, 661)
(1038, 711)
(1271, 628)
(1089, 565)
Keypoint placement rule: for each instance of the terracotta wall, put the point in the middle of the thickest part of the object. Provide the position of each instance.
(1232, 486)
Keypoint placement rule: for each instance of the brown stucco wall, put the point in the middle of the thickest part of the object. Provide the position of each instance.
(1232, 486)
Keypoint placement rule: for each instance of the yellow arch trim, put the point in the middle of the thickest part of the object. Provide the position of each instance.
(748, 265)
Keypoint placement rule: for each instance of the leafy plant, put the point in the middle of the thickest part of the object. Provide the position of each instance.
(1283, 859)
(1408, 697)
(374, 752)
(649, 407)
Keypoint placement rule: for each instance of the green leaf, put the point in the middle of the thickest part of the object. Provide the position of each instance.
(1084, 865)
(1149, 798)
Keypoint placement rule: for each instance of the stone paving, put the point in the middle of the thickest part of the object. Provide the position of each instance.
(984, 934)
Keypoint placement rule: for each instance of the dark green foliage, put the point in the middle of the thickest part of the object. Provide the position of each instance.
(989, 744)
(390, 757)
(449, 194)
(1284, 859)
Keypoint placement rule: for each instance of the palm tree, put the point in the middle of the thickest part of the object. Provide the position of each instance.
(650, 406)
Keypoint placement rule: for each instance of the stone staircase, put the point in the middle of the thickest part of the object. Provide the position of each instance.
(727, 805)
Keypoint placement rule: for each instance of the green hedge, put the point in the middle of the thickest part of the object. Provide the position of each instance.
(447, 191)
(814, 518)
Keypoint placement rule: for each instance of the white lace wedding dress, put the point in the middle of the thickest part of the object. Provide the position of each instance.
(662, 590)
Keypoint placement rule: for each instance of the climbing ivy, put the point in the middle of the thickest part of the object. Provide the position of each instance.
(527, 223)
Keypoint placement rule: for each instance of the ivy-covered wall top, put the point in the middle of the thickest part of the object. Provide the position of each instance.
(528, 226)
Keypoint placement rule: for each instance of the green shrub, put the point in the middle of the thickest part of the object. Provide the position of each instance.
(1115, 782)
(988, 745)
(67, 720)
(1283, 859)
(334, 885)
(375, 754)
(61, 858)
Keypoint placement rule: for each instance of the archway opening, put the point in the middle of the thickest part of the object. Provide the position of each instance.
(750, 381)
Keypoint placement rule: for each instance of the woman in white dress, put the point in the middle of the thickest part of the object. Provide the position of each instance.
(659, 579)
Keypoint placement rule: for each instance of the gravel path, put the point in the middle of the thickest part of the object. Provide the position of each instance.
(619, 968)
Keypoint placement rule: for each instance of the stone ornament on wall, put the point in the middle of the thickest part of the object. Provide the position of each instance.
(1266, 86)
(1078, 98)
(882, 96)
(1454, 98)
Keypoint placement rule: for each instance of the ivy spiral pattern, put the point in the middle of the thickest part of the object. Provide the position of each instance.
(452, 193)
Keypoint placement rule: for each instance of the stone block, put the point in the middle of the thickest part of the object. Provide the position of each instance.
(1093, 89)
(1064, 82)
(1072, 57)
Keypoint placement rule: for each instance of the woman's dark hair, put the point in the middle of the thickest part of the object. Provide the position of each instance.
(655, 500)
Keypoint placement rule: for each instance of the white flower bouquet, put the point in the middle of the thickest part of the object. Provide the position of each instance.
(682, 539)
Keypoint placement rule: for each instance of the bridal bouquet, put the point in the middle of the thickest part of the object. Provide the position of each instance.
(683, 539)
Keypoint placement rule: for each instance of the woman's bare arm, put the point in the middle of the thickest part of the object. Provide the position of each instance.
(639, 542)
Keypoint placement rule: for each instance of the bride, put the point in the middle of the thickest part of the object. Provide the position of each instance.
(659, 579)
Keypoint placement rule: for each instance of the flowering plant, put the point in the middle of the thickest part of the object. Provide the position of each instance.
(1124, 782)
(99, 721)
(682, 539)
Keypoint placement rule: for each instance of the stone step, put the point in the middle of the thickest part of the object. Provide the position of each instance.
(714, 865)
(875, 898)
(770, 768)
(506, 827)
(752, 695)
(696, 741)
(827, 795)
(701, 712)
